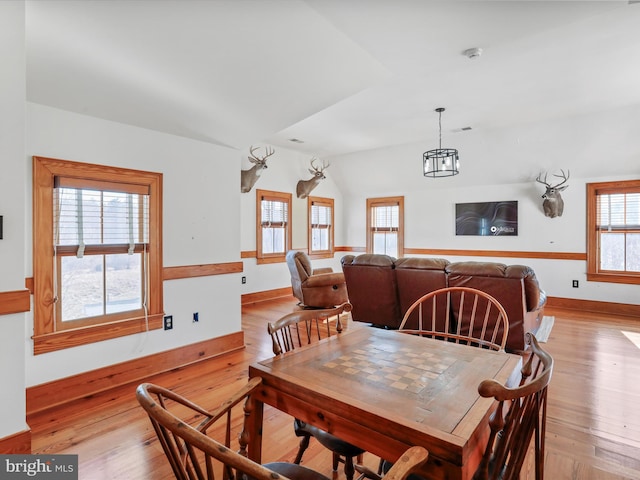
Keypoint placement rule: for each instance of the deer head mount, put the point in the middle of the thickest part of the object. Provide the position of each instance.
(553, 204)
(304, 187)
(248, 178)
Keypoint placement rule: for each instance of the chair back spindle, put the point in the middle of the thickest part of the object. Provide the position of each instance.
(304, 327)
(188, 435)
(461, 315)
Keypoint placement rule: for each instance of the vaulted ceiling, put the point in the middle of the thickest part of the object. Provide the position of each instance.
(342, 76)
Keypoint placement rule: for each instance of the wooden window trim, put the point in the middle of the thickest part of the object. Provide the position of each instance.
(45, 338)
(265, 258)
(593, 265)
(328, 202)
(381, 202)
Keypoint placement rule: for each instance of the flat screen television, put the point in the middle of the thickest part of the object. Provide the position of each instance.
(487, 218)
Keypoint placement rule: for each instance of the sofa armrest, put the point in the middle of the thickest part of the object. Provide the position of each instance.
(324, 279)
(321, 270)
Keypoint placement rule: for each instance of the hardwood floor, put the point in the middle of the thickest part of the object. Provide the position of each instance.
(593, 424)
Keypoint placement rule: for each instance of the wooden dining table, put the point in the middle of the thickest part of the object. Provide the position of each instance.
(385, 391)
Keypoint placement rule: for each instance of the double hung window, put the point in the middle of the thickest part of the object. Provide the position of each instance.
(613, 223)
(97, 258)
(273, 226)
(385, 226)
(321, 232)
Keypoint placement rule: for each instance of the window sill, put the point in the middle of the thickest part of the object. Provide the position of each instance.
(614, 278)
(50, 342)
(276, 259)
(318, 255)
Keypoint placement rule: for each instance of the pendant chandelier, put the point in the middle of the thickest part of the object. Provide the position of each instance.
(441, 162)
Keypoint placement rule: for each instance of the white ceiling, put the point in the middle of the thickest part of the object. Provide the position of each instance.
(341, 75)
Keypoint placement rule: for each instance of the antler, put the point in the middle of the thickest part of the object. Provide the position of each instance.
(542, 181)
(268, 152)
(564, 176)
(315, 169)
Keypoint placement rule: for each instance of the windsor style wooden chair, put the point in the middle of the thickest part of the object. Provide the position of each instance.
(186, 430)
(297, 330)
(458, 314)
(519, 418)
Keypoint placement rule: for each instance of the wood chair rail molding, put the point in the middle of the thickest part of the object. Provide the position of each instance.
(17, 301)
(254, 253)
(190, 271)
(459, 253)
(479, 253)
(498, 253)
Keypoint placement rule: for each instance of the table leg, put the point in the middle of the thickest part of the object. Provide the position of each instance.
(253, 425)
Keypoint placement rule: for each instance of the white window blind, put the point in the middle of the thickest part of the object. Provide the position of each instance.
(618, 211)
(618, 230)
(385, 218)
(274, 219)
(275, 213)
(99, 217)
(101, 236)
(321, 218)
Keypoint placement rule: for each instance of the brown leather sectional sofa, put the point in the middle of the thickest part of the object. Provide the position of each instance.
(382, 288)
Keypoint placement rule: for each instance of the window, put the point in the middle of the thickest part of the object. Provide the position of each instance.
(385, 226)
(97, 253)
(273, 226)
(320, 236)
(613, 224)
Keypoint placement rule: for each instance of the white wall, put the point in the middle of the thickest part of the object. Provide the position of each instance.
(582, 144)
(430, 203)
(12, 205)
(201, 225)
(284, 170)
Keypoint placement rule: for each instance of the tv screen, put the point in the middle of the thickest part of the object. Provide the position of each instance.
(487, 218)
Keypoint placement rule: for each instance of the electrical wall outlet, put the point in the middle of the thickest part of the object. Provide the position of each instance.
(244, 280)
(168, 322)
(575, 283)
(195, 317)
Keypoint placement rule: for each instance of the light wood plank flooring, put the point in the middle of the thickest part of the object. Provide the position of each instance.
(593, 427)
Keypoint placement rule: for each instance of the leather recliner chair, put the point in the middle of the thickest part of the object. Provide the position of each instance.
(319, 288)
(373, 289)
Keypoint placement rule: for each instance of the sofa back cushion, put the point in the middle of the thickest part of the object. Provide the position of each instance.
(417, 277)
(372, 289)
(500, 282)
